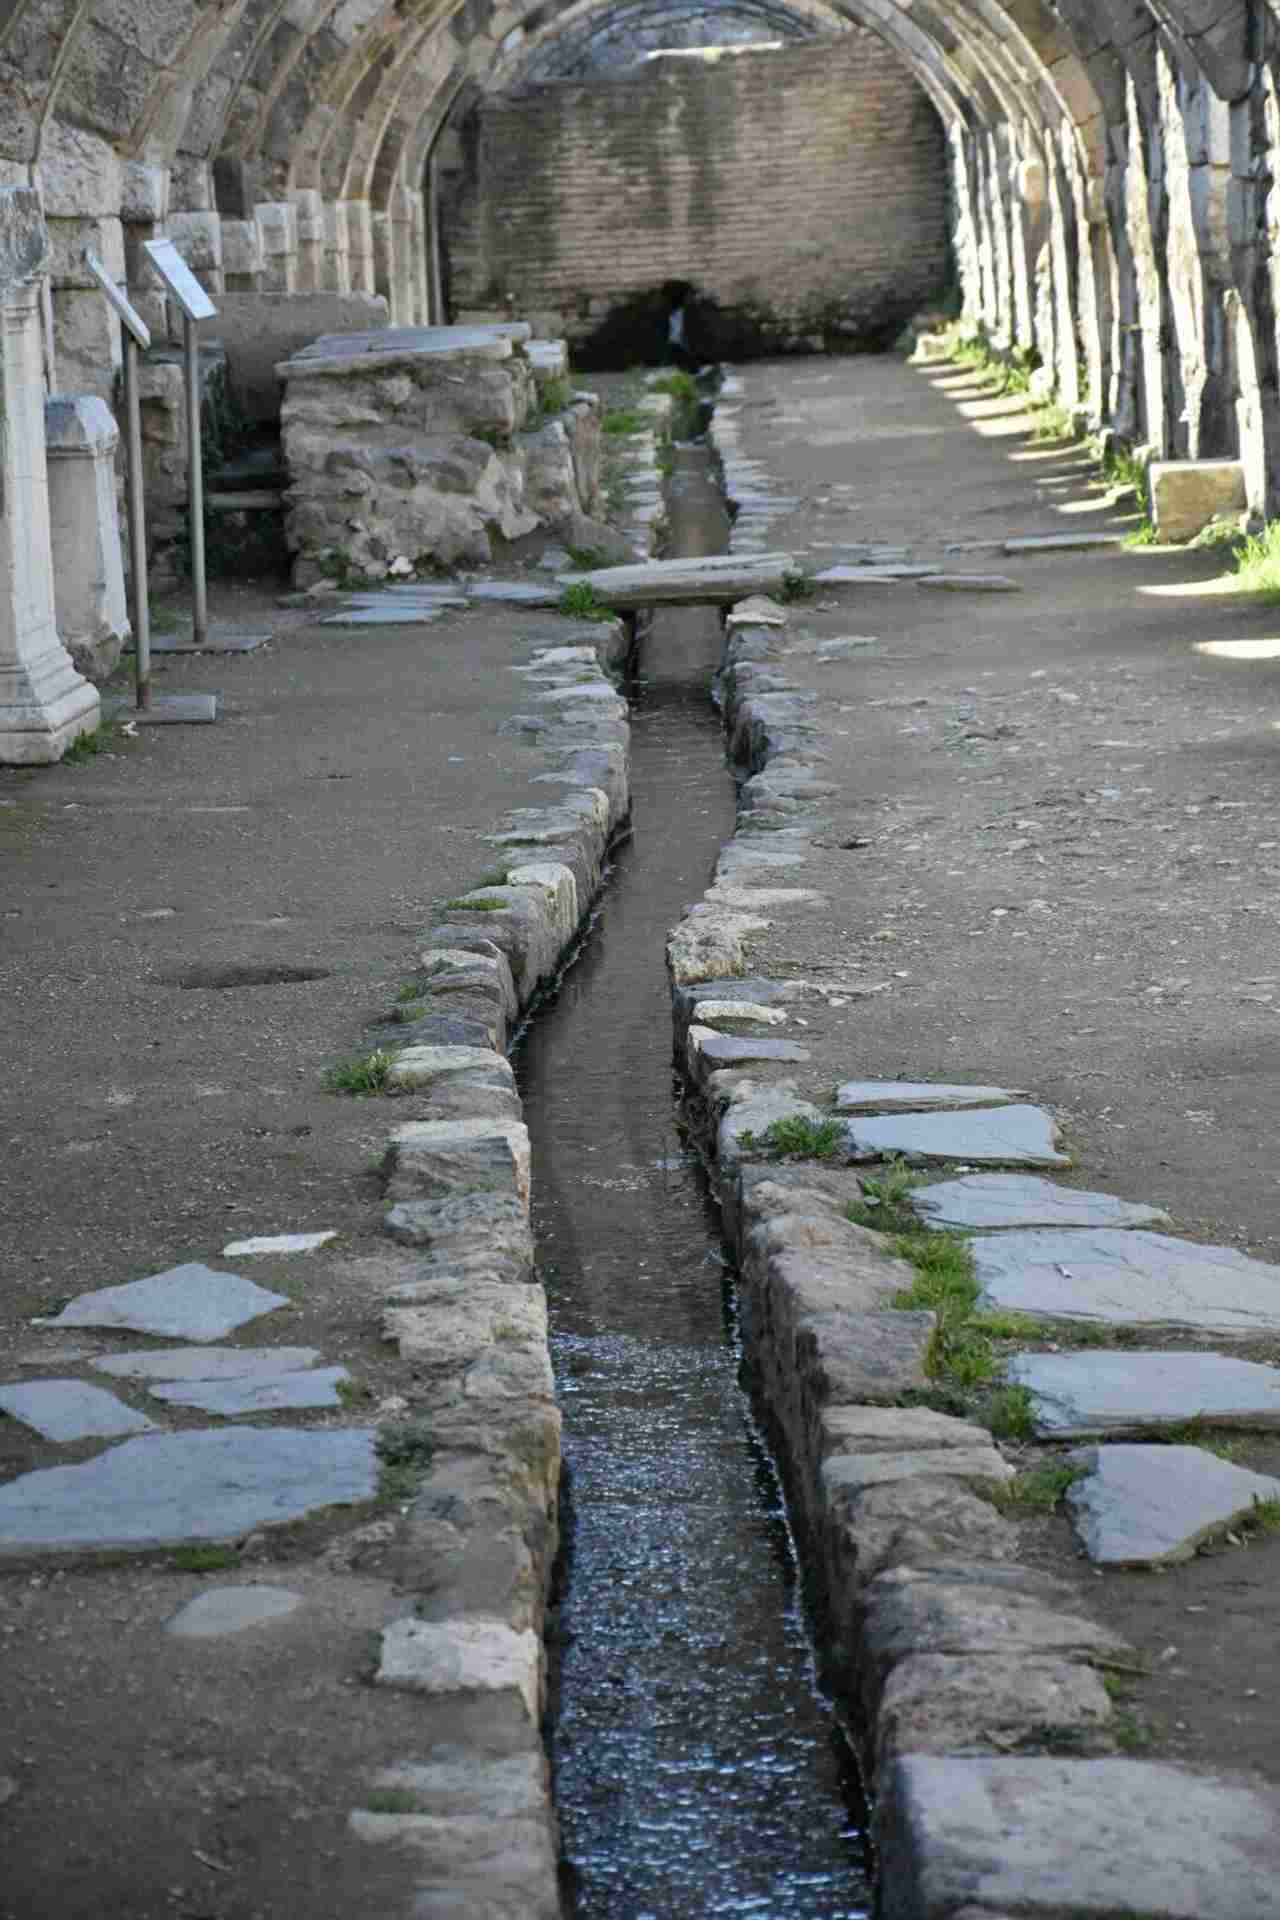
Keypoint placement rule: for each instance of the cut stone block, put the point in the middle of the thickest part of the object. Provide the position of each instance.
(462, 1656)
(279, 1243)
(70, 1410)
(419, 1066)
(1187, 494)
(737, 1050)
(914, 1096)
(164, 1489)
(980, 1468)
(1127, 1278)
(1151, 1506)
(706, 1012)
(1062, 542)
(866, 1430)
(225, 1610)
(190, 1302)
(936, 1703)
(720, 579)
(1096, 1839)
(208, 1363)
(1023, 1200)
(1101, 1392)
(316, 1387)
(1017, 1134)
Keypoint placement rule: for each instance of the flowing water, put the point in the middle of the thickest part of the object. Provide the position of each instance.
(699, 1771)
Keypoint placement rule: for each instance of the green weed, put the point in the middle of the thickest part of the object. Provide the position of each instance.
(391, 1800)
(87, 746)
(884, 1205)
(587, 559)
(1052, 422)
(477, 903)
(686, 414)
(363, 1073)
(354, 1393)
(1265, 1517)
(1010, 1414)
(796, 585)
(794, 1134)
(205, 1559)
(1256, 567)
(622, 421)
(404, 1454)
(1042, 1488)
(580, 601)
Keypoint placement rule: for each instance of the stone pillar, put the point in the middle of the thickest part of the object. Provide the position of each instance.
(81, 187)
(44, 702)
(198, 238)
(336, 278)
(311, 239)
(278, 220)
(359, 245)
(383, 259)
(400, 215)
(88, 573)
(144, 208)
(242, 256)
(427, 294)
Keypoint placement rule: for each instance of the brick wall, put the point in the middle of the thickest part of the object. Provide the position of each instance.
(801, 193)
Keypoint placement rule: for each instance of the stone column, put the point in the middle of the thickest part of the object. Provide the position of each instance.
(242, 256)
(335, 247)
(278, 220)
(384, 260)
(428, 297)
(44, 702)
(311, 239)
(400, 215)
(88, 573)
(359, 245)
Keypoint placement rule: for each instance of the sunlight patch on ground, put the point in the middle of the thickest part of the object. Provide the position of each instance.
(1240, 650)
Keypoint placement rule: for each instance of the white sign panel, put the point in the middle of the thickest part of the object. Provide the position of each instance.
(179, 279)
(128, 314)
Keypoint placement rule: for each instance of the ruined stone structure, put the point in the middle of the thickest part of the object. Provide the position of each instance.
(799, 193)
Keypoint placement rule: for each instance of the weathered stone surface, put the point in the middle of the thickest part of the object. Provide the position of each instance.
(757, 610)
(941, 1703)
(1187, 494)
(163, 1489)
(914, 1096)
(279, 1243)
(868, 1357)
(419, 1066)
(207, 1363)
(707, 1012)
(261, 329)
(1024, 1200)
(710, 1049)
(979, 1468)
(1091, 1839)
(711, 945)
(754, 1116)
(1103, 1392)
(258, 1393)
(462, 1656)
(190, 1302)
(227, 1610)
(1001, 1135)
(84, 527)
(1151, 1506)
(1062, 542)
(912, 1523)
(485, 1230)
(431, 1159)
(1128, 1278)
(70, 1410)
(906, 1430)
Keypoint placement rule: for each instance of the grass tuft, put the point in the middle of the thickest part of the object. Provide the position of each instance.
(796, 585)
(391, 1800)
(404, 1454)
(580, 601)
(363, 1073)
(796, 1135)
(1010, 1414)
(1042, 1488)
(205, 1559)
(1257, 564)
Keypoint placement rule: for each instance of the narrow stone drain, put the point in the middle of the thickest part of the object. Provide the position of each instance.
(698, 1770)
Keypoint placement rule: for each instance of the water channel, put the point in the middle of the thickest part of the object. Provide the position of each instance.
(699, 1771)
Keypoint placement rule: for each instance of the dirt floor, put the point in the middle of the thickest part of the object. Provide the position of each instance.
(1051, 865)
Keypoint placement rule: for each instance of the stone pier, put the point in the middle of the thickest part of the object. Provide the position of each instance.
(44, 702)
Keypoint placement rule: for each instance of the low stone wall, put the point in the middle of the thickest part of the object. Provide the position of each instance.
(419, 447)
(474, 1550)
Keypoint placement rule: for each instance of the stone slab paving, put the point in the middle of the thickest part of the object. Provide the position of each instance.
(1010, 1135)
(1127, 1278)
(162, 1490)
(1150, 1506)
(70, 1410)
(915, 1096)
(1074, 1394)
(280, 1243)
(1095, 1839)
(270, 1393)
(225, 1610)
(190, 1302)
(207, 1363)
(1024, 1200)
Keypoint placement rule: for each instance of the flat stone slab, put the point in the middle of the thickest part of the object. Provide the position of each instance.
(973, 583)
(1149, 1506)
(720, 579)
(871, 571)
(258, 1393)
(207, 1363)
(225, 1610)
(1024, 1200)
(735, 1050)
(914, 1096)
(1104, 1392)
(1061, 542)
(391, 613)
(1127, 1278)
(1096, 1839)
(1000, 1135)
(164, 1489)
(70, 1410)
(178, 710)
(190, 1302)
(279, 1243)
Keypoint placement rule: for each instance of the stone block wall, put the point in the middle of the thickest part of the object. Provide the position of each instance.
(801, 192)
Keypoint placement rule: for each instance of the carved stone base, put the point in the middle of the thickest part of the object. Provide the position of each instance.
(44, 706)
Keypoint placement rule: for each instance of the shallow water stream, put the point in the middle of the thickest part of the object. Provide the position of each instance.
(699, 1772)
